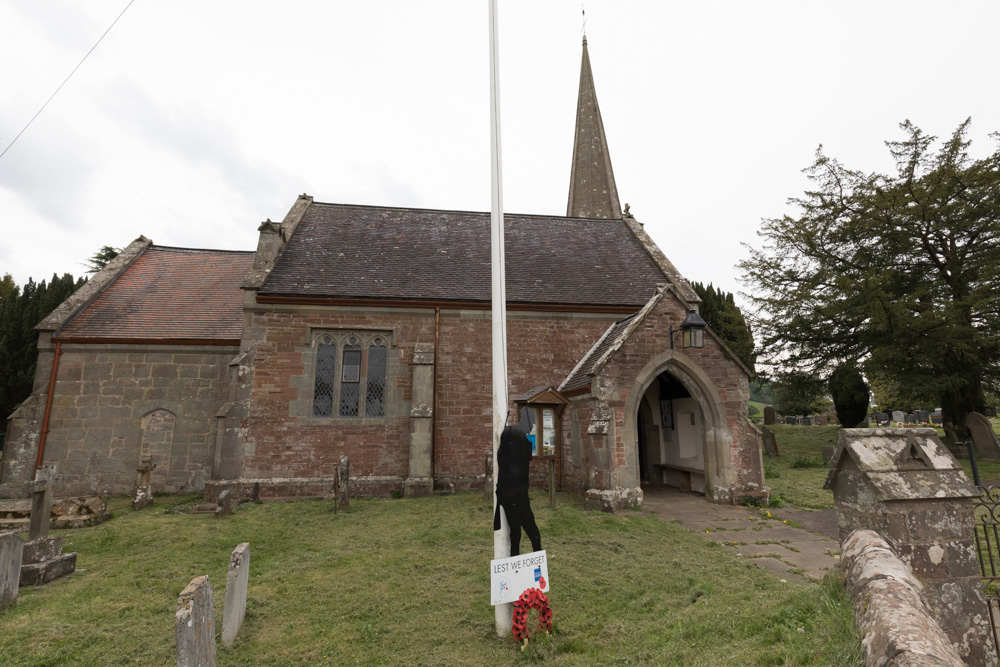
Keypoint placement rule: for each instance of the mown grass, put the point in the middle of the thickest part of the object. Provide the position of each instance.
(406, 582)
(798, 473)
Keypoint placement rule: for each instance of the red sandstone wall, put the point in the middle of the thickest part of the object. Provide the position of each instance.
(286, 441)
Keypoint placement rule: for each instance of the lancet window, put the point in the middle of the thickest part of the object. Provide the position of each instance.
(350, 374)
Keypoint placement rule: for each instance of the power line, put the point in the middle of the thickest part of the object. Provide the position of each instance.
(14, 140)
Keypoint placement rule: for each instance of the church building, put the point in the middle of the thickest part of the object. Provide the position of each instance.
(365, 331)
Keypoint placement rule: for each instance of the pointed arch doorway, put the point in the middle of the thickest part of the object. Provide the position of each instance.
(671, 436)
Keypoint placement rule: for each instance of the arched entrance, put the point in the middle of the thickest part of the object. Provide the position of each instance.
(676, 430)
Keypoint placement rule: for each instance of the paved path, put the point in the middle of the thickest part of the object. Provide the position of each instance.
(766, 536)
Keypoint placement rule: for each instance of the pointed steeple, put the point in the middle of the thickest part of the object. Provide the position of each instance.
(592, 191)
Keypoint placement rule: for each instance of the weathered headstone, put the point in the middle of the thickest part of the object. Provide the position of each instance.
(345, 482)
(898, 416)
(768, 415)
(225, 507)
(11, 546)
(770, 444)
(43, 560)
(909, 418)
(236, 593)
(143, 495)
(987, 446)
(41, 502)
(194, 625)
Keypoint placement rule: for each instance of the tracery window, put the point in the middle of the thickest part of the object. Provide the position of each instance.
(352, 383)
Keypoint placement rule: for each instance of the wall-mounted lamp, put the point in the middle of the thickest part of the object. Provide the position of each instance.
(692, 331)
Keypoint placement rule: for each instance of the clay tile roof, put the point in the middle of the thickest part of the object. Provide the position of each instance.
(365, 252)
(579, 377)
(168, 295)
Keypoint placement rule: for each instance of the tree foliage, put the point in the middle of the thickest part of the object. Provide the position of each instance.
(798, 393)
(850, 395)
(21, 308)
(719, 310)
(900, 272)
(100, 259)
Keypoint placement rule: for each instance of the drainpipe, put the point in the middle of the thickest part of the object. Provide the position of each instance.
(434, 388)
(48, 408)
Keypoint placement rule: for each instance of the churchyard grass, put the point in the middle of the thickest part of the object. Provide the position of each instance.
(798, 474)
(406, 582)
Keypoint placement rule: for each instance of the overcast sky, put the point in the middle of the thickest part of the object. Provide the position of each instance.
(194, 121)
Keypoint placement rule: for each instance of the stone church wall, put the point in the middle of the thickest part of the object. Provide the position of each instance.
(111, 404)
(283, 439)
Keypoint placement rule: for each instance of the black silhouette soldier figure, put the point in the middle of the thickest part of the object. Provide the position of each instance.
(513, 457)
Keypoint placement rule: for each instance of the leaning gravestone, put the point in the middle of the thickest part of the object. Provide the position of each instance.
(983, 436)
(770, 444)
(236, 593)
(768, 415)
(194, 625)
(11, 546)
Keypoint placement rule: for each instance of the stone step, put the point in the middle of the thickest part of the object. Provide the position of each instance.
(35, 574)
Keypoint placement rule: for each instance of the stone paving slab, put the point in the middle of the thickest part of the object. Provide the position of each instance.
(798, 554)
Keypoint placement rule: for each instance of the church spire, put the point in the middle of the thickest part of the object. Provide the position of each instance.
(592, 191)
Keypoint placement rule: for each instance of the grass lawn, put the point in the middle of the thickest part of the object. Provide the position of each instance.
(406, 582)
(798, 474)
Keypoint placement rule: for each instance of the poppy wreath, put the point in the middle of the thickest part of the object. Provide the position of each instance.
(533, 598)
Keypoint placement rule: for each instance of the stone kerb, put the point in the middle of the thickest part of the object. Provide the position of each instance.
(194, 625)
(898, 627)
(905, 485)
(236, 593)
(11, 548)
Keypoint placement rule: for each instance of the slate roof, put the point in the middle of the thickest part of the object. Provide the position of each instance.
(579, 377)
(397, 254)
(170, 295)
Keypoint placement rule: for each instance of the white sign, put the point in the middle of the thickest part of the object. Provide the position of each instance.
(509, 577)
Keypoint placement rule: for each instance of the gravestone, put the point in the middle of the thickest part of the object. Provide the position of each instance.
(990, 412)
(194, 625)
(822, 420)
(983, 436)
(884, 418)
(345, 482)
(11, 546)
(143, 495)
(807, 421)
(923, 417)
(827, 452)
(768, 415)
(770, 444)
(935, 417)
(909, 418)
(225, 507)
(41, 503)
(236, 593)
(791, 420)
(898, 416)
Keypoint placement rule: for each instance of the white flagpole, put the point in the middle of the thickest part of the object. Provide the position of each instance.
(501, 538)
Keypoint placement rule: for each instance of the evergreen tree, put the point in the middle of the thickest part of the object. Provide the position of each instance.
(850, 395)
(724, 317)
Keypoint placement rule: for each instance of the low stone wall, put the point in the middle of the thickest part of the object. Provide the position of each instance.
(898, 627)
